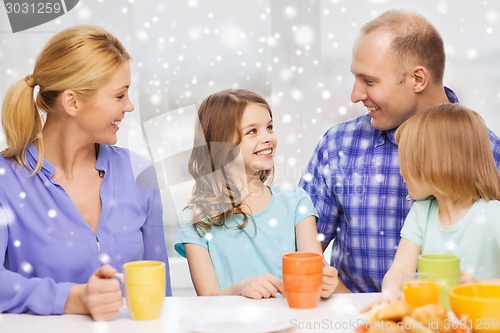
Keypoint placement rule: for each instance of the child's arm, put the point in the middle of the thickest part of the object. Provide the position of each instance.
(206, 283)
(467, 277)
(307, 240)
(405, 263)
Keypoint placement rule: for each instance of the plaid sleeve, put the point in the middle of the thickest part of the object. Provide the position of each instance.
(318, 182)
(495, 147)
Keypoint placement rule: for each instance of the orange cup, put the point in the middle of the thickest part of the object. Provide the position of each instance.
(302, 278)
(421, 289)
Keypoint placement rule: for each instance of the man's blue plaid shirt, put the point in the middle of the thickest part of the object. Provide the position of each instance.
(353, 179)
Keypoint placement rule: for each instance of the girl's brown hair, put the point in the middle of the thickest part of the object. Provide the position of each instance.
(216, 193)
(448, 147)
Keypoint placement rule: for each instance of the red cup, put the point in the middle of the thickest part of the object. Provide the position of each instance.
(302, 279)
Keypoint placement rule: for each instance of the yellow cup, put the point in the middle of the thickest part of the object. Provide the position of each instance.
(145, 284)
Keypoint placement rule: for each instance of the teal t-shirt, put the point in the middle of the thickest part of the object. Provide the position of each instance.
(475, 238)
(239, 254)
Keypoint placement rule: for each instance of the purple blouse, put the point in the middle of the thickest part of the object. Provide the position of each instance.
(45, 244)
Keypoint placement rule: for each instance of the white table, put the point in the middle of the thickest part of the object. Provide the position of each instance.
(337, 314)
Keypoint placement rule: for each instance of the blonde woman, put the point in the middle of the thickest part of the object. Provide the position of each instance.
(448, 167)
(71, 210)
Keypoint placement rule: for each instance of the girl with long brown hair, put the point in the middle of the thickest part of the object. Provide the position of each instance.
(237, 226)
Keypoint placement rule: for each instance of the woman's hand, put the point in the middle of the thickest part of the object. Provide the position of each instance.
(101, 296)
(260, 286)
(330, 281)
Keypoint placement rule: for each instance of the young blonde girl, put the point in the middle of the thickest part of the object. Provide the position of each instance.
(448, 167)
(236, 227)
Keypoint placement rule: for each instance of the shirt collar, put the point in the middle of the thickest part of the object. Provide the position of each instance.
(382, 136)
(390, 135)
(49, 170)
(32, 159)
(452, 97)
(102, 162)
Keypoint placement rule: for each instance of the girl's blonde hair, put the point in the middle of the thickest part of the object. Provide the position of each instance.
(448, 147)
(82, 59)
(216, 193)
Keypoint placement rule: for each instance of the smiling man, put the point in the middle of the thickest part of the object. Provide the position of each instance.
(353, 175)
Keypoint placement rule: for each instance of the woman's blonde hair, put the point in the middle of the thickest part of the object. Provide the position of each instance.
(216, 193)
(80, 58)
(448, 147)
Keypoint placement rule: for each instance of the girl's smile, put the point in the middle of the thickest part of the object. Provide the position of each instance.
(258, 140)
(268, 152)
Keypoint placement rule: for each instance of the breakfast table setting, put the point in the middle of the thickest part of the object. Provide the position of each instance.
(433, 302)
(236, 314)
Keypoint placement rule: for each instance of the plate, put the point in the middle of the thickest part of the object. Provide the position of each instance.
(241, 319)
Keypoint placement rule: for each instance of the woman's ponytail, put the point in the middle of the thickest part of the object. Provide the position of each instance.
(21, 120)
